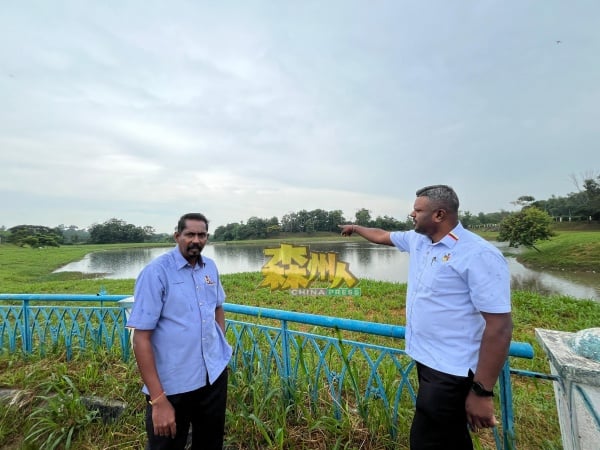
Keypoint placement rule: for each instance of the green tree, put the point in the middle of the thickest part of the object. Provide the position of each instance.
(524, 201)
(592, 192)
(227, 232)
(257, 228)
(289, 222)
(116, 231)
(467, 219)
(35, 236)
(273, 226)
(335, 218)
(492, 218)
(389, 223)
(4, 234)
(363, 217)
(304, 218)
(73, 235)
(318, 220)
(526, 227)
(580, 205)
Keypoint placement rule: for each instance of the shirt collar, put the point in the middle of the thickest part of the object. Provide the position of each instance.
(453, 236)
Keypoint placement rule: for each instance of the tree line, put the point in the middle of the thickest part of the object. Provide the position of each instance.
(117, 231)
(319, 220)
(581, 205)
(303, 221)
(113, 231)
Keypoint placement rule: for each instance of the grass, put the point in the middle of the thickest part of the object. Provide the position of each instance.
(258, 415)
(571, 250)
(575, 251)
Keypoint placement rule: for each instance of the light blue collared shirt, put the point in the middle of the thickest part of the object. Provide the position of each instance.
(178, 302)
(449, 284)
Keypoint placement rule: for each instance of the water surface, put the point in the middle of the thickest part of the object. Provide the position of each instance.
(366, 260)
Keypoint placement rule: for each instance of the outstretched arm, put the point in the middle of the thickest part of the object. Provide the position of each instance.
(375, 235)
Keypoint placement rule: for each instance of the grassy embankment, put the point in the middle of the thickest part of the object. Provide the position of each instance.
(257, 419)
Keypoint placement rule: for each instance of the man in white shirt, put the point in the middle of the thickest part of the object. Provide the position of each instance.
(458, 319)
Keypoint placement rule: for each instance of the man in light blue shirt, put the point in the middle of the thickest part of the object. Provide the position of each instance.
(458, 319)
(179, 342)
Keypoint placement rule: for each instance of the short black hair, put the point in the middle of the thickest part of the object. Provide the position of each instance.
(191, 216)
(442, 196)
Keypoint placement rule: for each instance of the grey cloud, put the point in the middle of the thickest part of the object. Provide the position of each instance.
(136, 109)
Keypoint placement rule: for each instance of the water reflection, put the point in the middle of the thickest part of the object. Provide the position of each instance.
(370, 261)
(578, 284)
(366, 261)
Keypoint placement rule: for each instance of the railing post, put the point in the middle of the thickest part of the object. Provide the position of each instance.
(286, 357)
(101, 294)
(126, 342)
(27, 341)
(506, 402)
(125, 338)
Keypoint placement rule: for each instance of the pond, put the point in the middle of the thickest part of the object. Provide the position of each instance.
(366, 260)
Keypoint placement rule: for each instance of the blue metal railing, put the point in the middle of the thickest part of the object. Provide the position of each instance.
(74, 327)
(271, 348)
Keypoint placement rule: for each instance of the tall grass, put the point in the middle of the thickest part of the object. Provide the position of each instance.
(60, 417)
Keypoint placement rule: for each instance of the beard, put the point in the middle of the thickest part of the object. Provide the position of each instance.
(193, 248)
(419, 229)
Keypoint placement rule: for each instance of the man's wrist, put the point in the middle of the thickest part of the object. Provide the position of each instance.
(480, 390)
(155, 400)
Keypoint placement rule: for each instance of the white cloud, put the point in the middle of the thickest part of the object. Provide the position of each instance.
(144, 111)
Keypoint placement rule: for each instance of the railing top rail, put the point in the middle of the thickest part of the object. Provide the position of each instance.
(381, 329)
(517, 349)
(63, 297)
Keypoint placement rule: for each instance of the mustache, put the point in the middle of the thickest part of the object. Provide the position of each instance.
(192, 246)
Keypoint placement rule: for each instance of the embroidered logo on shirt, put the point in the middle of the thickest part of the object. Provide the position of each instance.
(446, 257)
(208, 280)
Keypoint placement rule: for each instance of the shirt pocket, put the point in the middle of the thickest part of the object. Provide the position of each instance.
(181, 299)
(447, 281)
(211, 295)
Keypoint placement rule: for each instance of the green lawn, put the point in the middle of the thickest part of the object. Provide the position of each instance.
(256, 419)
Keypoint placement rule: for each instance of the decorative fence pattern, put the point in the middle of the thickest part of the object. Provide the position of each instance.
(352, 371)
(30, 325)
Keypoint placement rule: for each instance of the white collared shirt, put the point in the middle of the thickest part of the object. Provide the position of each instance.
(449, 283)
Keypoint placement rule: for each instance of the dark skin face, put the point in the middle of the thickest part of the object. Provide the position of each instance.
(430, 221)
(192, 239)
(422, 216)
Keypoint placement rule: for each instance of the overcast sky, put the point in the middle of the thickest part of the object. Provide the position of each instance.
(145, 110)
